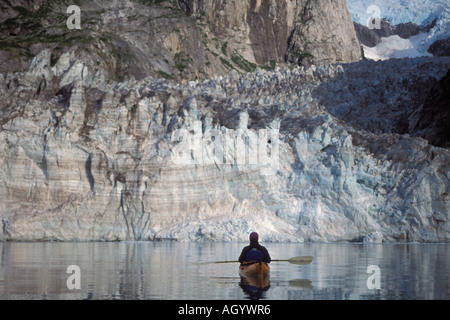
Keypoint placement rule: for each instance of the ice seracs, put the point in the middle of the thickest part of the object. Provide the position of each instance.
(92, 160)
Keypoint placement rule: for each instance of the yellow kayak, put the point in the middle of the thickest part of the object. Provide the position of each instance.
(254, 269)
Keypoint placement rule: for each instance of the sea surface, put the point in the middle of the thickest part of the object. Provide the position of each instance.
(182, 271)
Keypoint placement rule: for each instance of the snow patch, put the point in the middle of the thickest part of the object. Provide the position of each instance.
(395, 47)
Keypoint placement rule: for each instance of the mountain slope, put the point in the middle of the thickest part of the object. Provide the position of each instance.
(179, 40)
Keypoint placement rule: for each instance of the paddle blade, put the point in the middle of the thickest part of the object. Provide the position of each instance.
(211, 262)
(302, 260)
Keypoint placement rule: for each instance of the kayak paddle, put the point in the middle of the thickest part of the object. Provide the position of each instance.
(301, 260)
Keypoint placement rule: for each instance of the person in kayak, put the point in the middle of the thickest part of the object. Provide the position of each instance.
(255, 251)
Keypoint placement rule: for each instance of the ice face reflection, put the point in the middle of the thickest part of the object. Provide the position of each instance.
(170, 270)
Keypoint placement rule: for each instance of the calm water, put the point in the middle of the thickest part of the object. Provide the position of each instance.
(168, 270)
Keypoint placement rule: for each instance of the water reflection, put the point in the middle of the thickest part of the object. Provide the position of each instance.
(301, 283)
(168, 270)
(255, 286)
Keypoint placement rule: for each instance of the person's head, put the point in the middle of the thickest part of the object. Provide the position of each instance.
(254, 237)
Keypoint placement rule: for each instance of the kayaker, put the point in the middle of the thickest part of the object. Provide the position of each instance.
(255, 251)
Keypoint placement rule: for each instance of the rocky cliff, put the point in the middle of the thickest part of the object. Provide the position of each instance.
(84, 159)
(181, 40)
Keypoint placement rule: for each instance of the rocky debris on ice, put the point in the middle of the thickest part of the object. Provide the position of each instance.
(84, 159)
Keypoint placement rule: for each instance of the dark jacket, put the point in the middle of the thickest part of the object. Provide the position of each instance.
(257, 246)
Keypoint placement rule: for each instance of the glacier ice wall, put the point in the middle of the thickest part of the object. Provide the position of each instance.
(82, 158)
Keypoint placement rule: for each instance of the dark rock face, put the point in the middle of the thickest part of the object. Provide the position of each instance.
(267, 35)
(366, 36)
(407, 30)
(307, 44)
(187, 6)
(431, 121)
(440, 47)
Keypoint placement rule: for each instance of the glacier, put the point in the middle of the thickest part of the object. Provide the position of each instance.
(404, 11)
(399, 11)
(82, 158)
